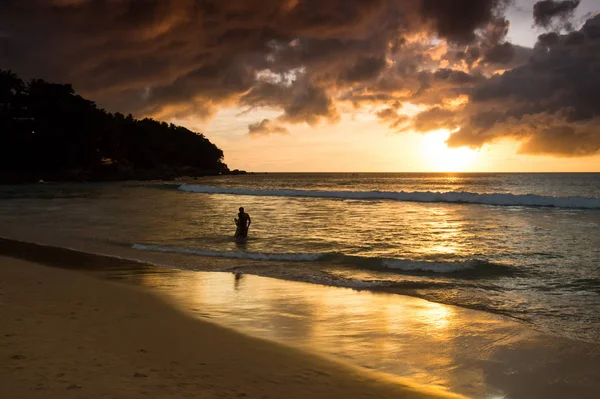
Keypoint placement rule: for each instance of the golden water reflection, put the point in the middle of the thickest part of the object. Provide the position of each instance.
(431, 343)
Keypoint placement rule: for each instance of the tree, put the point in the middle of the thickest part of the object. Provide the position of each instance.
(50, 132)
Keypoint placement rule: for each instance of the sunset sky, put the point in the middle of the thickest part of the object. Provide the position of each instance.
(335, 85)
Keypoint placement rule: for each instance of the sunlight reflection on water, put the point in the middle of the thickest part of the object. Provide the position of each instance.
(464, 351)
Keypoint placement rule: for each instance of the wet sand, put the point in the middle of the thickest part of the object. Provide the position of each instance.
(406, 340)
(64, 334)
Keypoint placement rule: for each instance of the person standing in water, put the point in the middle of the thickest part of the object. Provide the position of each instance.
(242, 222)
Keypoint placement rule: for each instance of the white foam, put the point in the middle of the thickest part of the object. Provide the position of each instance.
(368, 262)
(416, 196)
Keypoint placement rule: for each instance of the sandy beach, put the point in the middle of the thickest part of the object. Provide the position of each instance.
(64, 334)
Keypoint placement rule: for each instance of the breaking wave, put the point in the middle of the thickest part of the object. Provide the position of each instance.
(469, 267)
(417, 196)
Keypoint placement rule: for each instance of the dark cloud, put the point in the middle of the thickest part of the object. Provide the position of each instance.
(393, 119)
(548, 40)
(458, 20)
(591, 28)
(565, 140)
(455, 77)
(177, 57)
(424, 87)
(434, 119)
(387, 114)
(574, 38)
(365, 69)
(266, 94)
(300, 101)
(266, 127)
(547, 13)
(443, 85)
(500, 54)
(309, 104)
(304, 58)
(490, 52)
(551, 102)
(469, 55)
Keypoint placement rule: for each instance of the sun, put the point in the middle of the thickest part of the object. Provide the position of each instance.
(444, 159)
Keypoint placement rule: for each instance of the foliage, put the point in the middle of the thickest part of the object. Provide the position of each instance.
(49, 132)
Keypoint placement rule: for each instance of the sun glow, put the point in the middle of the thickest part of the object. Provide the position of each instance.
(444, 159)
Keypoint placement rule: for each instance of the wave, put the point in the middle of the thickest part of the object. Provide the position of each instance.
(415, 196)
(468, 268)
(293, 257)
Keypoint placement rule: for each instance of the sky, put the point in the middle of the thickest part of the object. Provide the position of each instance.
(335, 85)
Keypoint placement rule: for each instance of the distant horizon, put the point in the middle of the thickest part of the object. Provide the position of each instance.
(431, 173)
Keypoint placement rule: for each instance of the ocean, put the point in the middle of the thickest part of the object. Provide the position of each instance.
(523, 246)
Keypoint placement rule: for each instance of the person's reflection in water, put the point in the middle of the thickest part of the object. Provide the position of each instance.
(237, 280)
(241, 243)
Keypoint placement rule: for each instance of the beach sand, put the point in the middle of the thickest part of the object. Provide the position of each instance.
(67, 335)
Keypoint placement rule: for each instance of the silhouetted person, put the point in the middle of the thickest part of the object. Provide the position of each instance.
(242, 222)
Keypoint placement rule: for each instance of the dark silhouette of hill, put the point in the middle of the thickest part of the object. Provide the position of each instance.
(49, 132)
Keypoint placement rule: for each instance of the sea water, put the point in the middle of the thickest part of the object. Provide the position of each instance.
(526, 246)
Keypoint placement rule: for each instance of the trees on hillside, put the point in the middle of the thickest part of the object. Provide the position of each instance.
(49, 132)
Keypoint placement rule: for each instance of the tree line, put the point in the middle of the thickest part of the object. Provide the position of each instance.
(48, 132)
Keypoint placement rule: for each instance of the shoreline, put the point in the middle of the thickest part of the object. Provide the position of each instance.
(51, 250)
(66, 334)
(46, 250)
(431, 345)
